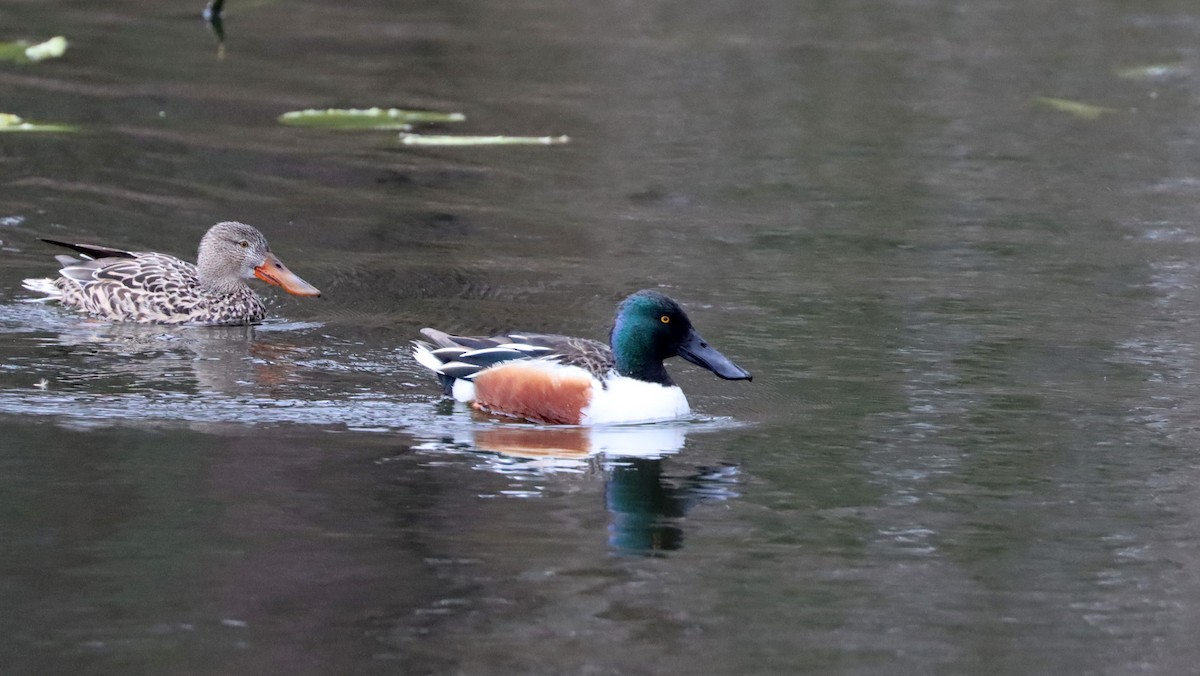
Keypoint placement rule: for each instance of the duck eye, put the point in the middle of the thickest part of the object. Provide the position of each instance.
(665, 319)
(244, 244)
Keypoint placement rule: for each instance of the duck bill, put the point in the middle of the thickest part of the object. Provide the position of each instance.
(696, 350)
(274, 272)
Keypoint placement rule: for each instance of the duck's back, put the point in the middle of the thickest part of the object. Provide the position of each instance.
(590, 355)
(547, 378)
(150, 287)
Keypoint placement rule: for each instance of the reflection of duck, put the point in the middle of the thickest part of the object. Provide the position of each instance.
(574, 381)
(528, 441)
(156, 288)
(552, 443)
(211, 359)
(646, 505)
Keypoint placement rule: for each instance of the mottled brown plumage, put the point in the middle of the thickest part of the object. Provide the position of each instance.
(157, 288)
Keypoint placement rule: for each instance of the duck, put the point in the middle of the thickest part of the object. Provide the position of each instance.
(563, 380)
(157, 288)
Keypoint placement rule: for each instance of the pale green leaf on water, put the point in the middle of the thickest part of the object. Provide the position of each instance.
(50, 49)
(1154, 71)
(1086, 111)
(434, 140)
(368, 118)
(24, 52)
(10, 122)
(13, 51)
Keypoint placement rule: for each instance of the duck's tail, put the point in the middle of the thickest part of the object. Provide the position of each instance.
(44, 286)
(457, 359)
(423, 353)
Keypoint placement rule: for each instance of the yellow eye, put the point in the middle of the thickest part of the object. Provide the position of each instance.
(244, 244)
(665, 319)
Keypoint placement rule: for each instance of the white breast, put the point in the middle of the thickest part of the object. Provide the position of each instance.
(626, 400)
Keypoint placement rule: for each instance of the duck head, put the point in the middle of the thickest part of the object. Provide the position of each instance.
(231, 252)
(651, 327)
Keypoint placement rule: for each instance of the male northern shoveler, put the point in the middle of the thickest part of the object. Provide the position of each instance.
(575, 381)
(155, 288)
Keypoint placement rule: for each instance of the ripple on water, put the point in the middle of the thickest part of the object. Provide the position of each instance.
(507, 447)
(88, 374)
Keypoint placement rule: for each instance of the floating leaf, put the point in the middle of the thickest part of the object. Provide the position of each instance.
(23, 52)
(13, 51)
(430, 140)
(1154, 71)
(369, 118)
(10, 122)
(50, 49)
(1086, 111)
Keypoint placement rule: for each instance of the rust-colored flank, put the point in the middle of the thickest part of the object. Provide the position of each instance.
(534, 391)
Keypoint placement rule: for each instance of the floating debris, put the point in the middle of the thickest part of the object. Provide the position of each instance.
(367, 118)
(432, 140)
(1154, 71)
(1086, 111)
(213, 10)
(212, 16)
(24, 52)
(10, 122)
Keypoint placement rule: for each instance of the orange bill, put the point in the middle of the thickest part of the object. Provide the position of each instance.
(274, 272)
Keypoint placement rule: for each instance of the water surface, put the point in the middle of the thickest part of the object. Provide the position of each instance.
(970, 444)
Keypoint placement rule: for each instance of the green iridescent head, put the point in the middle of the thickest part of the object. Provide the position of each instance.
(651, 327)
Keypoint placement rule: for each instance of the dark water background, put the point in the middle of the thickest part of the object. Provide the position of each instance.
(973, 440)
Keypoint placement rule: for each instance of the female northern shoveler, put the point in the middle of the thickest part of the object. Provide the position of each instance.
(155, 288)
(575, 381)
